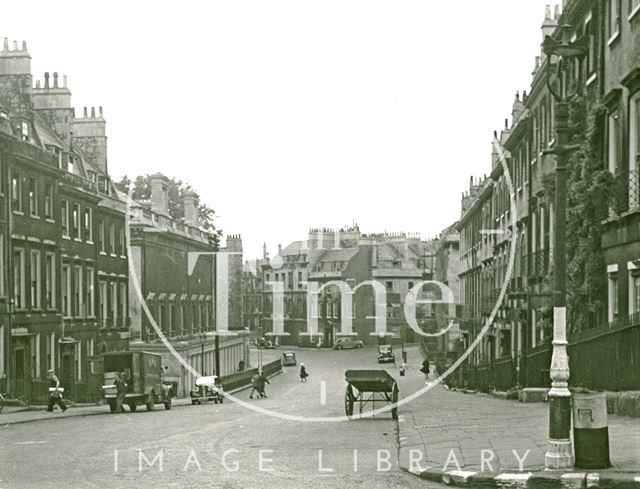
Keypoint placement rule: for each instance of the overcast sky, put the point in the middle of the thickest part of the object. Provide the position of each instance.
(286, 115)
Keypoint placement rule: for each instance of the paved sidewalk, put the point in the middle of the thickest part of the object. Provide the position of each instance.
(445, 435)
(17, 415)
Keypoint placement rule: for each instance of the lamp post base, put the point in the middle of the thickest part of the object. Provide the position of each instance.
(559, 455)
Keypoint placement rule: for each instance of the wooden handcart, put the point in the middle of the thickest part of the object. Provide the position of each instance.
(369, 386)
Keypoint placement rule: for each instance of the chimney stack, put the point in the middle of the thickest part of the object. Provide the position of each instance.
(160, 194)
(191, 209)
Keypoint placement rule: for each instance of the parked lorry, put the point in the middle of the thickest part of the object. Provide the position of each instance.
(143, 375)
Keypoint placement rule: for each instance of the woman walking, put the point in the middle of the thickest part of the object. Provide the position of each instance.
(303, 373)
(425, 370)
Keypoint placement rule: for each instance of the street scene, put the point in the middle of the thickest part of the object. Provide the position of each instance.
(280, 244)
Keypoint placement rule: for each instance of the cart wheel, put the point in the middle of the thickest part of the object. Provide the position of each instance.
(133, 407)
(348, 401)
(394, 399)
(112, 405)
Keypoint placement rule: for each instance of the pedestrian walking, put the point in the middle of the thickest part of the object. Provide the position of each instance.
(254, 385)
(303, 373)
(425, 370)
(55, 396)
(121, 390)
(262, 381)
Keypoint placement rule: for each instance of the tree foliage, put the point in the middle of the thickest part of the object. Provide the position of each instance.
(176, 191)
(592, 194)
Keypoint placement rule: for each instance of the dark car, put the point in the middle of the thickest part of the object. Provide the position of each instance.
(289, 359)
(385, 354)
(347, 342)
(207, 389)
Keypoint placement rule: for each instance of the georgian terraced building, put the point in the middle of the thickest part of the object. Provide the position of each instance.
(171, 294)
(66, 292)
(63, 300)
(517, 348)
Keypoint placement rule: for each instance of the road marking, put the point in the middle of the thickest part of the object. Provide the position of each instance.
(323, 392)
(30, 442)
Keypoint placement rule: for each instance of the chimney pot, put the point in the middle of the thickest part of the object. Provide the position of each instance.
(37, 84)
(547, 12)
(84, 113)
(6, 44)
(100, 110)
(15, 46)
(55, 79)
(64, 81)
(556, 13)
(46, 80)
(93, 112)
(24, 46)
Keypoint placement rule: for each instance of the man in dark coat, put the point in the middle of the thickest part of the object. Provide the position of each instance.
(262, 380)
(121, 391)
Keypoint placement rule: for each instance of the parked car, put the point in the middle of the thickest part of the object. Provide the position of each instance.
(207, 389)
(385, 354)
(264, 343)
(347, 342)
(144, 379)
(288, 359)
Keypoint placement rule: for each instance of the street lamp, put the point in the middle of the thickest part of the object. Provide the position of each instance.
(559, 453)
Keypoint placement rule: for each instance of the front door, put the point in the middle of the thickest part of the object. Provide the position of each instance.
(67, 373)
(19, 388)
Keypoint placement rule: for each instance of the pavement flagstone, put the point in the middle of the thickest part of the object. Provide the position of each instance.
(454, 437)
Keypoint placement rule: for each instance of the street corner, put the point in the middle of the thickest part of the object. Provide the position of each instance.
(542, 479)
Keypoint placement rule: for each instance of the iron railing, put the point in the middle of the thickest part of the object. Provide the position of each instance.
(538, 263)
(607, 358)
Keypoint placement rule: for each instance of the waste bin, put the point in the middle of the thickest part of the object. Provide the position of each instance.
(590, 430)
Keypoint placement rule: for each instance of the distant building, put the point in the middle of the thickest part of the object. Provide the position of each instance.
(172, 294)
(397, 262)
(252, 296)
(447, 268)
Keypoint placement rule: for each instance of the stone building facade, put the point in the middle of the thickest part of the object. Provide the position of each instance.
(58, 193)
